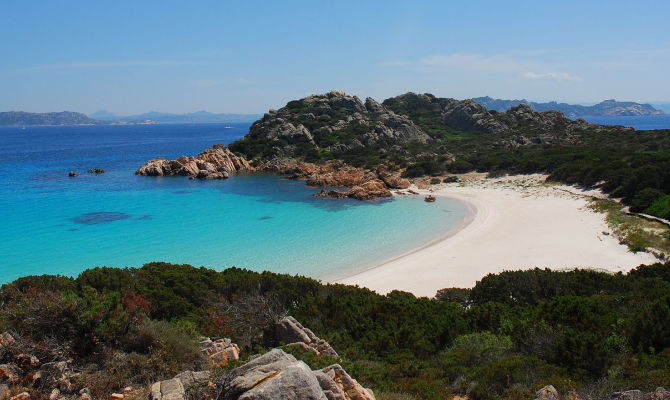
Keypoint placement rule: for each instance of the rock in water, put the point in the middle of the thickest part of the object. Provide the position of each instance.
(213, 163)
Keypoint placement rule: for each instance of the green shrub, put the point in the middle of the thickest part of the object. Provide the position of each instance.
(660, 207)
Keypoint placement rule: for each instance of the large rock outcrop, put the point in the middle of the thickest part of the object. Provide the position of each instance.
(291, 332)
(363, 184)
(213, 163)
(278, 375)
(333, 122)
(273, 375)
(220, 352)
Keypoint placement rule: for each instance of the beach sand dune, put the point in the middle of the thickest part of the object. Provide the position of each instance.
(518, 223)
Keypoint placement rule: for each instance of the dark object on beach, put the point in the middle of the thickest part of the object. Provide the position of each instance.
(412, 191)
(96, 171)
(72, 174)
(451, 179)
(430, 198)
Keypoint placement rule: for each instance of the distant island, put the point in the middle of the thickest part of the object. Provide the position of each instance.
(70, 118)
(197, 117)
(604, 108)
(22, 118)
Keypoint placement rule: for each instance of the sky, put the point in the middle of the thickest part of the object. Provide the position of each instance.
(249, 56)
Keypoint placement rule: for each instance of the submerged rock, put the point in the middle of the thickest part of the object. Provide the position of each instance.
(101, 217)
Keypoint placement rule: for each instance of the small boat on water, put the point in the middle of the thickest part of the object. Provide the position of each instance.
(430, 198)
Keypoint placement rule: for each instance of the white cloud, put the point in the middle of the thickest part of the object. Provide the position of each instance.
(557, 76)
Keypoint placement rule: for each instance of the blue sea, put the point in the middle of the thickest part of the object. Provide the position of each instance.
(645, 122)
(55, 224)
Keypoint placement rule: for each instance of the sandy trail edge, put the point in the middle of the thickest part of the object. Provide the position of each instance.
(518, 223)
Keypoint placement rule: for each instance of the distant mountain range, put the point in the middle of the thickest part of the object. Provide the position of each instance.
(604, 108)
(22, 118)
(19, 118)
(167, 118)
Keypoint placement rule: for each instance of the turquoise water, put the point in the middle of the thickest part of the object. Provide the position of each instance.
(59, 225)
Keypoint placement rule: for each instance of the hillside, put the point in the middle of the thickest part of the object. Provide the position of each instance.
(606, 107)
(422, 135)
(21, 118)
(587, 333)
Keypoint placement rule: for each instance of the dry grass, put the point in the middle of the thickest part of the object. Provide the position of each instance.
(638, 233)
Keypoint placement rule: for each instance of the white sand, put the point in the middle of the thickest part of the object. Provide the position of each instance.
(519, 223)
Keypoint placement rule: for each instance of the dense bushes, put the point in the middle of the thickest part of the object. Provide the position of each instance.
(509, 335)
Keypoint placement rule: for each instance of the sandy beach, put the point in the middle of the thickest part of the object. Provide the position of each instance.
(518, 223)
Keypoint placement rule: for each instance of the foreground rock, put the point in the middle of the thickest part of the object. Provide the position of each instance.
(278, 375)
(291, 332)
(217, 162)
(175, 388)
(274, 375)
(221, 352)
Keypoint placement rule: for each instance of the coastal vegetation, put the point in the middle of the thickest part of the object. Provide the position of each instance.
(513, 333)
(637, 232)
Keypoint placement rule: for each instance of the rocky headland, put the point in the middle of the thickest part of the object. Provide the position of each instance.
(213, 163)
(218, 162)
(332, 122)
(335, 140)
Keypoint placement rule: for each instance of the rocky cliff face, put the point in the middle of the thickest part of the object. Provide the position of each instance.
(333, 122)
(470, 116)
(213, 163)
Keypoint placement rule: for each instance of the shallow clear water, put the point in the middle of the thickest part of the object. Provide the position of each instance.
(55, 224)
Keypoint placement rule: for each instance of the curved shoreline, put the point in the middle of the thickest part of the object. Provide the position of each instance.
(519, 223)
(469, 218)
